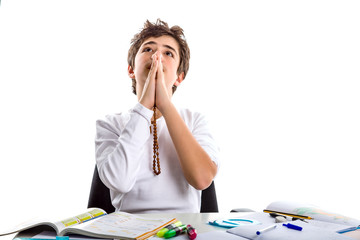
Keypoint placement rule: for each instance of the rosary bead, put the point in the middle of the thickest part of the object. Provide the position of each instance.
(156, 160)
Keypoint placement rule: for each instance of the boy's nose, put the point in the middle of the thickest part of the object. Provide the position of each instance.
(157, 54)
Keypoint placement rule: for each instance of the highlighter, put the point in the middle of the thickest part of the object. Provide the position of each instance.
(191, 232)
(167, 228)
(175, 232)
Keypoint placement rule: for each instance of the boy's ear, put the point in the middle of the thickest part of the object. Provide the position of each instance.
(179, 79)
(131, 72)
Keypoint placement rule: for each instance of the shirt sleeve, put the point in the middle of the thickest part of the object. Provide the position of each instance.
(118, 147)
(202, 133)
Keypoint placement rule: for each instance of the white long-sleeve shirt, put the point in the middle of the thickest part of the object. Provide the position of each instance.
(124, 156)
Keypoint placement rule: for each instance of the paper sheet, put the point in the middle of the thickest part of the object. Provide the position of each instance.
(310, 231)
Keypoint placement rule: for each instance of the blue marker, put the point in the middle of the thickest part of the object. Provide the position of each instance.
(292, 226)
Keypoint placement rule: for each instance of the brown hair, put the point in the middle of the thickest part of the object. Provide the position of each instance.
(158, 29)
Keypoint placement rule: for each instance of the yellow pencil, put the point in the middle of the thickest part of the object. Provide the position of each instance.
(288, 214)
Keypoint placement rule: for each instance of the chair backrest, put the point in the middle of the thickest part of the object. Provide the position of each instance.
(209, 200)
(100, 196)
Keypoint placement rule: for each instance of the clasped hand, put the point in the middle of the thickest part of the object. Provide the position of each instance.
(156, 92)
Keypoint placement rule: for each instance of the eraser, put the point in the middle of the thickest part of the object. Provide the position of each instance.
(280, 219)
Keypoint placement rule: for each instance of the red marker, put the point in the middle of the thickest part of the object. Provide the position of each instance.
(191, 232)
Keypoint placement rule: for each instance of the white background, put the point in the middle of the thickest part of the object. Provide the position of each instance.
(278, 80)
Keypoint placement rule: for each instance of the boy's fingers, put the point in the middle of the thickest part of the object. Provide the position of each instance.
(153, 68)
(160, 69)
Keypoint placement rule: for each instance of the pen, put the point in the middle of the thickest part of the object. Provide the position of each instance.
(292, 226)
(288, 214)
(266, 229)
(350, 229)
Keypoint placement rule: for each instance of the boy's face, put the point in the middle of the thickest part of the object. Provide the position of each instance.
(169, 49)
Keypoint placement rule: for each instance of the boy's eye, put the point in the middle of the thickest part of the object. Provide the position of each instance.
(147, 50)
(169, 54)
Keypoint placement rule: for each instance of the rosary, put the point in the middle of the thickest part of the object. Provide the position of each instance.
(156, 160)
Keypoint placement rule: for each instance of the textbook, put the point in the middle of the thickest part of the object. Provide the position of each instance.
(95, 222)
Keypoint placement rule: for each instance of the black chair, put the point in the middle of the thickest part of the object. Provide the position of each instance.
(100, 196)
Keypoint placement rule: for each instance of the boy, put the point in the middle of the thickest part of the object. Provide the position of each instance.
(155, 157)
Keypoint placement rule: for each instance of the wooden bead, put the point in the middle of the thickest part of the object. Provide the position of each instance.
(156, 159)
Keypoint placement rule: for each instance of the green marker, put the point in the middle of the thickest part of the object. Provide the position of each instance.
(167, 228)
(176, 231)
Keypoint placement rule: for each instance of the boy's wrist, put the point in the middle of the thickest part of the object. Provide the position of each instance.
(145, 104)
(167, 109)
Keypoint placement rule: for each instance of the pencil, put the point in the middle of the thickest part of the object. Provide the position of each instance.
(288, 214)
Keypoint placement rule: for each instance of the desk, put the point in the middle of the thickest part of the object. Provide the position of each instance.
(199, 221)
